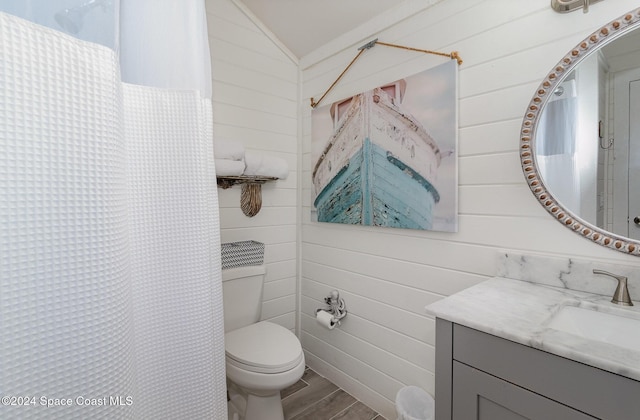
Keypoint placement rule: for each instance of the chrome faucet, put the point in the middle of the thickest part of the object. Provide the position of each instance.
(621, 295)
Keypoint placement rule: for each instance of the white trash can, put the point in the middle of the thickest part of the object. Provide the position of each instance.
(413, 403)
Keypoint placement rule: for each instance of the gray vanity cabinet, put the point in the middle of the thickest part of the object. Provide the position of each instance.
(480, 376)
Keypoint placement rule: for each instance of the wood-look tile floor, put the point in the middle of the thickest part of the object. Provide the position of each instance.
(315, 398)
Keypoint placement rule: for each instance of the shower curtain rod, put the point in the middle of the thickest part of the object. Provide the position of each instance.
(453, 55)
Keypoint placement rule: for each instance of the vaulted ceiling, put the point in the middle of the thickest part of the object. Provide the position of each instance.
(304, 25)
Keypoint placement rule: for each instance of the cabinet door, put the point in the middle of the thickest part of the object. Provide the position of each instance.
(480, 396)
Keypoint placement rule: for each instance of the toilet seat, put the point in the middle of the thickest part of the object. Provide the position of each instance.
(263, 347)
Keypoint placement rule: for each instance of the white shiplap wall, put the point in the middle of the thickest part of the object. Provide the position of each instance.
(387, 276)
(255, 102)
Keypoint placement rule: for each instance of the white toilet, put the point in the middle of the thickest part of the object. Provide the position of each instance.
(262, 358)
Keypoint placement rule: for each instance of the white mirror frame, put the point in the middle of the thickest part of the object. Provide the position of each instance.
(602, 36)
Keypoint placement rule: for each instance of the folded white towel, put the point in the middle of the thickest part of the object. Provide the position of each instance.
(226, 167)
(228, 149)
(259, 164)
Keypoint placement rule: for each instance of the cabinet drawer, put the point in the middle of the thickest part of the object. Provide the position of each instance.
(585, 388)
(480, 396)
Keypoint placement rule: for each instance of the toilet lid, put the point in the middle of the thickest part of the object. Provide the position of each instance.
(264, 347)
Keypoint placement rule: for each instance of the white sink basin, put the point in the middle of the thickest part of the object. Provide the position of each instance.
(600, 326)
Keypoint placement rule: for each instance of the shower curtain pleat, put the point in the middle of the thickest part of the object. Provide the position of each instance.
(174, 237)
(110, 284)
(219, 378)
(65, 324)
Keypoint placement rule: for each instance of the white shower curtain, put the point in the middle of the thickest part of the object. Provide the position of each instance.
(164, 43)
(556, 146)
(110, 288)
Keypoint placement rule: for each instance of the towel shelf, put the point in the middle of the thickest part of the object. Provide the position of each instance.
(251, 195)
(229, 181)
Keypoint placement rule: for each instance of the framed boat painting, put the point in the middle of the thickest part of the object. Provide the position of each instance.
(388, 156)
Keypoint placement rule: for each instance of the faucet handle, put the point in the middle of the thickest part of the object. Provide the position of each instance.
(621, 295)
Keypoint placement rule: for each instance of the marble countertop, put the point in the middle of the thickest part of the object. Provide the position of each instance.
(520, 311)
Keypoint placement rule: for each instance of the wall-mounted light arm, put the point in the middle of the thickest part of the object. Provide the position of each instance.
(566, 6)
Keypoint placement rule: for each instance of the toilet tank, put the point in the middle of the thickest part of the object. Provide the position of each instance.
(242, 295)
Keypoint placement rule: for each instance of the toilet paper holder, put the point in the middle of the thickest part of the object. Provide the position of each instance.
(335, 306)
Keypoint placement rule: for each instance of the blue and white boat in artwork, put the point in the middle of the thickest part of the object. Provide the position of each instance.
(379, 166)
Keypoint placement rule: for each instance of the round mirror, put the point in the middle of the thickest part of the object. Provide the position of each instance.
(580, 138)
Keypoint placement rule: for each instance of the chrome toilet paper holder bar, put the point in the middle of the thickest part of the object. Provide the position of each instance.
(335, 306)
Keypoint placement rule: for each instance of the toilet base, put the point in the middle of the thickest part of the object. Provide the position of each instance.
(237, 402)
(232, 415)
(264, 408)
(251, 407)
